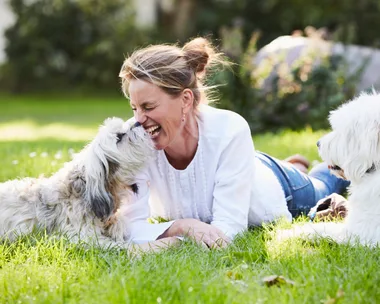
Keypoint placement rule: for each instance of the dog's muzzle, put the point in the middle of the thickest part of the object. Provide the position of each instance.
(136, 125)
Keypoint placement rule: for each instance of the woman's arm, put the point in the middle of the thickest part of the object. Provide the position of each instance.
(204, 234)
(153, 246)
(137, 212)
(233, 182)
(144, 233)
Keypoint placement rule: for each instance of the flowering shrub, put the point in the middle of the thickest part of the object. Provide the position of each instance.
(275, 95)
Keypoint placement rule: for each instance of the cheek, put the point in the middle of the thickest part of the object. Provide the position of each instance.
(171, 121)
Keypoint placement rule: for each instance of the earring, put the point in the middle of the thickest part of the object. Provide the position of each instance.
(183, 117)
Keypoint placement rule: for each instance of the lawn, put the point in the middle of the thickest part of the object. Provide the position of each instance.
(39, 133)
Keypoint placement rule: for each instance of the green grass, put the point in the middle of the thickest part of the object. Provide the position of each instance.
(40, 269)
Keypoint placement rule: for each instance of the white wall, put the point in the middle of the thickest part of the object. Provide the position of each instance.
(146, 12)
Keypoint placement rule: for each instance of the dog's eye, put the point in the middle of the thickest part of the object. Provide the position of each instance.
(119, 137)
(336, 168)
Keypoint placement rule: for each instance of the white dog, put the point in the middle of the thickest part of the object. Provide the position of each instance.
(352, 151)
(83, 198)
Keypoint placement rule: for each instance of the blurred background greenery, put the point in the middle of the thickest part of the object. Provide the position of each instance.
(77, 46)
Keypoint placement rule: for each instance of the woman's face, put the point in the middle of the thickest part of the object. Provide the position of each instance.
(159, 113)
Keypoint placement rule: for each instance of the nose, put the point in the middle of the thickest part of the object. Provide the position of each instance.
(140, 116)
(318, 144)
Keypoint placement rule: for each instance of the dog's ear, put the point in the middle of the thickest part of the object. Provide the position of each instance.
(102, 205)
(97, 181)
(364, 154)
(356, 168)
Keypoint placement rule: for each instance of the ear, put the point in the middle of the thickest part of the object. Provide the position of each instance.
(101, 205)
(367, 156)
(356, 168)
(187, 100)
(96, 175)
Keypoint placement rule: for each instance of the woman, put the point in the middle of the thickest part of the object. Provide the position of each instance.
(206, 177)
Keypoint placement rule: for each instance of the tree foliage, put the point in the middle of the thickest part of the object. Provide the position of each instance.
(349, 21)
(58, 43)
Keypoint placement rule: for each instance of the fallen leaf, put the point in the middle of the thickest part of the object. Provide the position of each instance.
(277, 280)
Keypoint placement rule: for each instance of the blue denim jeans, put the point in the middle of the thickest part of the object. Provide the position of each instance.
(303, 191)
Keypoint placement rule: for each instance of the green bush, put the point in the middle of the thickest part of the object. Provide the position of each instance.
(299, 96)
(60, 43)
(348, 21)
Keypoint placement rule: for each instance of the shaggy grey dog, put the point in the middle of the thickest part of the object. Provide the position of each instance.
(83, 199)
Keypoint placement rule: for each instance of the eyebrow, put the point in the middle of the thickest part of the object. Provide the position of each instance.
(146, 103)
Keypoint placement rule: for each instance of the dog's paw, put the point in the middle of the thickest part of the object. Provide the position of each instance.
(285, 234)
(311, 231)
(307, 231)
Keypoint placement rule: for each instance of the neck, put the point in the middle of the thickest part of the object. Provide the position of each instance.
(181, 151)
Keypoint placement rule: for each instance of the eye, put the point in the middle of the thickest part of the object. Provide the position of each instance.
(119, 137)
(147, 109)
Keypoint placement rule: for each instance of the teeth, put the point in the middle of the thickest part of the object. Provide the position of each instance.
(152, 129)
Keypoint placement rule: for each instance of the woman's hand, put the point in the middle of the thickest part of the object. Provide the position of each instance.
(331, 207)
(204, 234)
(154, 246)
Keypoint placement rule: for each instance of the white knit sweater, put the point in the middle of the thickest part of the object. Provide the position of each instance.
(224, 185)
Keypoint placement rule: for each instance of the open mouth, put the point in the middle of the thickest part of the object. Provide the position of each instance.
(153, 131)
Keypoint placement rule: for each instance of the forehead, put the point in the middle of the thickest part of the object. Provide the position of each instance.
(142, 91)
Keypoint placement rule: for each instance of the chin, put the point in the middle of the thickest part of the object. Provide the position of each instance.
(161, 142)
(158, 145)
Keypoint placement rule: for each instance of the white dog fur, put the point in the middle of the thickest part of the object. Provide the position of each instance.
(83, 198)
(352, 151)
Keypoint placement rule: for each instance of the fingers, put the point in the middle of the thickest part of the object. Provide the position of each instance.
(220, 243)
(338, 198)
(212, 240)
(204, 234)
(336, 210)
(330, 207)
(324, 215)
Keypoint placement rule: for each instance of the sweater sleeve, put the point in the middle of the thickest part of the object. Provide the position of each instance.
(233, 183)
(137, 211)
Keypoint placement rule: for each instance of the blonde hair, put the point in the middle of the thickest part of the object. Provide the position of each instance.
(174, 69)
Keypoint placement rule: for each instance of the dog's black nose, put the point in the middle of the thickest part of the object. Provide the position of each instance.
(318, 144)
(137, 124)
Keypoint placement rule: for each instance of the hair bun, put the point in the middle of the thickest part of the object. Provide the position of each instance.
(198, 53)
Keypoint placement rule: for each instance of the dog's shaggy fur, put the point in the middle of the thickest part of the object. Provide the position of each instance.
(83, 198)
(352, 151)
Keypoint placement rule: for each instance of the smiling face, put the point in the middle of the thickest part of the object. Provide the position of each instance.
(158, 112)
